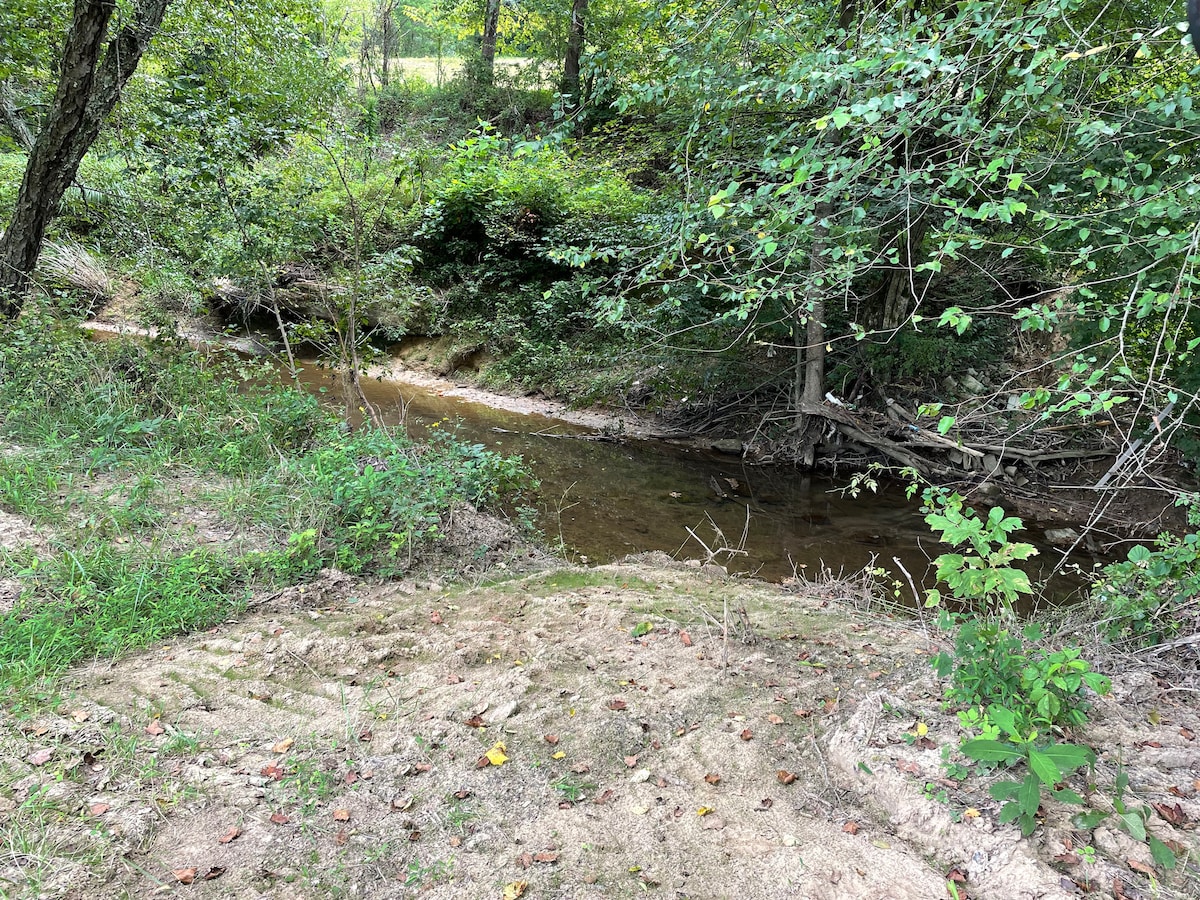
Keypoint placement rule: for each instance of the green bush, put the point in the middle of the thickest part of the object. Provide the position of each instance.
(1154, 595)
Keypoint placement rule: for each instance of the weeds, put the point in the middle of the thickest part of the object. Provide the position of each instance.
(143, 415)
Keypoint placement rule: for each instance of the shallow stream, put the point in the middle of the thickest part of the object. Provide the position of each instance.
(604, 500)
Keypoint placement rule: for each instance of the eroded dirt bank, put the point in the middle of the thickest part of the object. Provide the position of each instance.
(335, 740)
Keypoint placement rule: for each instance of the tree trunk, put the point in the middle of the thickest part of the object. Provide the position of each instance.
(387, 39)
(12, 117)
(88, 89)
(487, 50)
(889, 303)
(574, 55)
(810, 353)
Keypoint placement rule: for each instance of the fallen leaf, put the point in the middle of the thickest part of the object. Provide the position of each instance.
(957, 875)
(81, 715)
(341, 838)
(341, 815)
(422, 767)
(155, 728)
(273, 772)
(474, 722)
(712, 778)
(581, 768)
(641, 629)
(98, 809)
(230, 835)
(435, 618)
(548, 857)
(454, 679)
(455, 841)
(525, 860)
(551, 739)
(1173, 814)
(279, 819)
(802, 713)
(365, 735)
(214, 872)
(603, 797)
(775, 719)
(631, 761)
(785, 777)
(40, 757)
(747, 734)
(462, 795)
(970, 813)
(496, 755)
(283, 746)
(1187, 734)
(685, 639)
(1138, 866)
(617, 704)
(514, 889)
(704, 811)
(766, 803)
(558, 754)
(185, 876)
(850, 827)
(351, 777)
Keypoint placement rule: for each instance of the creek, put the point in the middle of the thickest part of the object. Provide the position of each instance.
(603, 500)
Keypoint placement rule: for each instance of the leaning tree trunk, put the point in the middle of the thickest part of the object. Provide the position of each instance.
(86, 94)
(487, 50)
(574, 55)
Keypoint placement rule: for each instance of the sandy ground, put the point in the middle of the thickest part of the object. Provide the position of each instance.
(752, 743)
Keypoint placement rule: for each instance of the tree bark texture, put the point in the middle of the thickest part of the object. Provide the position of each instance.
(88, 89)
(487, 50)
(574, 55)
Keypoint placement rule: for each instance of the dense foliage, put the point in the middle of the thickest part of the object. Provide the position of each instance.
(718, 205)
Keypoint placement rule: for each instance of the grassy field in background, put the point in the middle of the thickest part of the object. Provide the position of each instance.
(436, 71)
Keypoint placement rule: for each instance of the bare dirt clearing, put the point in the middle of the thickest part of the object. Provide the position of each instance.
(335, 742)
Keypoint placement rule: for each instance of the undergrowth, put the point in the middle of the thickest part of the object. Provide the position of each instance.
(106, 440)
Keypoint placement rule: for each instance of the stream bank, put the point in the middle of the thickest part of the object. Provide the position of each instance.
(400, 740)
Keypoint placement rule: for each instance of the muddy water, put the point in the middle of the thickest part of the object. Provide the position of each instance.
(605, 500)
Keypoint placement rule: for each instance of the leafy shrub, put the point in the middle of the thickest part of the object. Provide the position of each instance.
(1154, 594)
(994, 669)
(376, 496)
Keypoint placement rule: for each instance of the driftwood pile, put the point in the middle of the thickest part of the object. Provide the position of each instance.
(991, 452)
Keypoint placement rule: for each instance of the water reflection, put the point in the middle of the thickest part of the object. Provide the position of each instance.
(605, 500)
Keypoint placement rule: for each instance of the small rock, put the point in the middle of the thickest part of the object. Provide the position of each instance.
(732, 446)
(990, 463)
(972, 385)
(502, 712)
(639, 776)
(1061, 537)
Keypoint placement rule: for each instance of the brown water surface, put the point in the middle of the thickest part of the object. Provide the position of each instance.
(605, 500)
